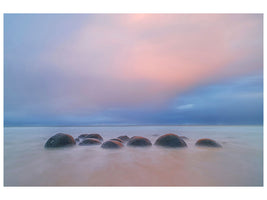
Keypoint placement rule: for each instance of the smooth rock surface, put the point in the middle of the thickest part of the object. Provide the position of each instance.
(112, 144)
(170, 140)
(89, 141)
(207, 143)
(117, 139)
(138, 141)
(60, 140)
(94, 135)
(124, 138)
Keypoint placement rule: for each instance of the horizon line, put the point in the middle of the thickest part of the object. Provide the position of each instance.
(126, 125)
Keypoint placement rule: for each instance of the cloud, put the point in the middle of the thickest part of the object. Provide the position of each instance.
(146, 59)
(185, 107)
(128, 61)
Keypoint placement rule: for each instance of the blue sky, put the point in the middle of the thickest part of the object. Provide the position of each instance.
(133, 69)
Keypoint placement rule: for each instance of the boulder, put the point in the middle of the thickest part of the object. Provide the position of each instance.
(77, 140)
(207, 143)
(112, 144)
(138, 141)
(94, 135)
(60, 140)
(170, 140)
(124, 138)
(89, 141)
(117, 139)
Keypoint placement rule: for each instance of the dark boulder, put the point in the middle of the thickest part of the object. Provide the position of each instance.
(117, 139)
(60, 140)
(89, 141)
(207, 143)
(124, 138)
(77, 140)
(139, 141)
(94, 135)
(170, 140)
(112, 144)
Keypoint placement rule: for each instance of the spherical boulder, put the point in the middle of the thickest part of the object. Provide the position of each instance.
(89, 141)
(60, 140)
(138, 141)
(117, 139)
(205, 142)
(170, 140)
(94, 135)
(112, 144)
(124, 138)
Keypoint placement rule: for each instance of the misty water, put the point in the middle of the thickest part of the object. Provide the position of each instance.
(238, 163)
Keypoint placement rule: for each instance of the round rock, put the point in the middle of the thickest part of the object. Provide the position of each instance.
(117, 139)
(170, 140)
(94, 135)
(138, 141)
(112, 144)
(60, 140)
(124, 138)
(205, 142)
(89, 141)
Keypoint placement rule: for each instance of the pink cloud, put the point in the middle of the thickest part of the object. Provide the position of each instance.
(131, 60)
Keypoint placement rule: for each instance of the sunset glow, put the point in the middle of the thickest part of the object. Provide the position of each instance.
(133, 69)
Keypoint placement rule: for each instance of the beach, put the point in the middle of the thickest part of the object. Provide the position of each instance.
(238, 163)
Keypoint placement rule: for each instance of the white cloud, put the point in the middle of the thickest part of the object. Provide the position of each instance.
(185, 107)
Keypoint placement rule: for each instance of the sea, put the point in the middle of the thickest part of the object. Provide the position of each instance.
(238, 163)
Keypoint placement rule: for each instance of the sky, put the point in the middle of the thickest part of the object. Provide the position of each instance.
(133, 69)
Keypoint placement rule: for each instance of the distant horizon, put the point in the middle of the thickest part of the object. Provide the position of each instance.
(125, 125)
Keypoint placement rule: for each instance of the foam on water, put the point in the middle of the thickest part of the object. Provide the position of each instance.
(238, 163)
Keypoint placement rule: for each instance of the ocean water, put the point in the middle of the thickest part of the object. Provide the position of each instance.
(238, 163)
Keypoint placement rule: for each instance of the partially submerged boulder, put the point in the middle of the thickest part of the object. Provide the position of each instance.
(138, 141)
(205, 142)
(170, 140)
(112, 144)
(117, 139)
(60, 140)
(89, 141)
(124, 138)
(94, 135)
